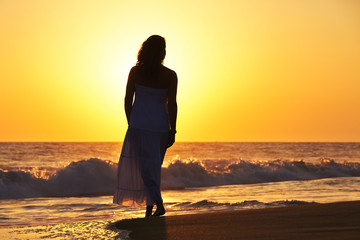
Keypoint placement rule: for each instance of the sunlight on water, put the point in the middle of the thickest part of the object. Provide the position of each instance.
(322, 191)
(53, 155)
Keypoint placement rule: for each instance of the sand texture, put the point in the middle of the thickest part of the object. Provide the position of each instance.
(315, 221)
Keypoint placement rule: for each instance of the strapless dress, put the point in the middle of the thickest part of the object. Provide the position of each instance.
(143, 150)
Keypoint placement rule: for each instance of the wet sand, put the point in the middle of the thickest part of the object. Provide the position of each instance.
(315, 221)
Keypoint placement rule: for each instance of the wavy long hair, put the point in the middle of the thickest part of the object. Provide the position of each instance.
(151, 55)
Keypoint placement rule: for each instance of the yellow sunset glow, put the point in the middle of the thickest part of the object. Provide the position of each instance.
(281, 70)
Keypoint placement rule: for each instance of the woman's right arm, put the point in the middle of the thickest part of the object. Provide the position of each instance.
(129, 95)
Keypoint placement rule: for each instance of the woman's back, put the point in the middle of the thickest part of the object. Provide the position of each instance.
(162, 79)
(149, 110)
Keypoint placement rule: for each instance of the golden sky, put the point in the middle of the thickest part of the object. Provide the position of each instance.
(280, 70)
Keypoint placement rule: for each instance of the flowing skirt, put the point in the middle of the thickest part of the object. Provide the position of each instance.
(139, 169)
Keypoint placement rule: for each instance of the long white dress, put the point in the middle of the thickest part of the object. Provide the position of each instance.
(143, 151)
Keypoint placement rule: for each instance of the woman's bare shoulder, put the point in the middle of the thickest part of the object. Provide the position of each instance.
(134, 69)
(169, 73)
(135, 73)
(167, 69)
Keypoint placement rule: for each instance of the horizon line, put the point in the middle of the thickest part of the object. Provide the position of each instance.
(216, 141)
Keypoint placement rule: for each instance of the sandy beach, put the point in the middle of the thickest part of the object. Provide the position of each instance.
(315, 221)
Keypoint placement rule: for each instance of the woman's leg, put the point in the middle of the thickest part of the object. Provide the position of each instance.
(160, 210)
(149, 210)
(152, 156)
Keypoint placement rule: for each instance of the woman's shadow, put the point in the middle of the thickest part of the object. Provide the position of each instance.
(143, 228)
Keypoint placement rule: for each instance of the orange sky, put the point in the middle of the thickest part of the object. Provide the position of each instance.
(281, 70)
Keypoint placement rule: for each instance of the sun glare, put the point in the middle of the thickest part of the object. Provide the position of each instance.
(248, 70)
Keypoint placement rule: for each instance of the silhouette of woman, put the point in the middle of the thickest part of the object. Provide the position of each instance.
(152, 127)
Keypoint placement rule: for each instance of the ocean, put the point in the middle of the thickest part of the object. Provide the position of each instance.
(51, 188)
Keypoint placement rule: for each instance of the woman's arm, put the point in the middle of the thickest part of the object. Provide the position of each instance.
(172, 106)
(129, 95)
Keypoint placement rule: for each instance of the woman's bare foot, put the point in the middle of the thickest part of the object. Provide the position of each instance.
(160, 210)
(148, 211)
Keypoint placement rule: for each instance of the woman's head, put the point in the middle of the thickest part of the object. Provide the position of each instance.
(152, 53)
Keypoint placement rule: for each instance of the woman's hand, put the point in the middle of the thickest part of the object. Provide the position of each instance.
(171, 139)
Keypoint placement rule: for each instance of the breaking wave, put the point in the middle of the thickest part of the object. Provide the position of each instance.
(97, 177)
(214, 173)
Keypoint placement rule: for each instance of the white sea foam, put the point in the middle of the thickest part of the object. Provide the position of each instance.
(86, 177)
(97, 177)
(214, 173)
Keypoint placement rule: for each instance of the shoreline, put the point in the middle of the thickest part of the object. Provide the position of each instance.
(339, 220)
(318, 221)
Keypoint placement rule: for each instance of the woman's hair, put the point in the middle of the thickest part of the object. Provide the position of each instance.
(151, 55)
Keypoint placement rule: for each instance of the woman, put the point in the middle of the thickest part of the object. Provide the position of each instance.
(152, 127)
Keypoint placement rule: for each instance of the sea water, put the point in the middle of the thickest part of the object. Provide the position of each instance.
(72, 183)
